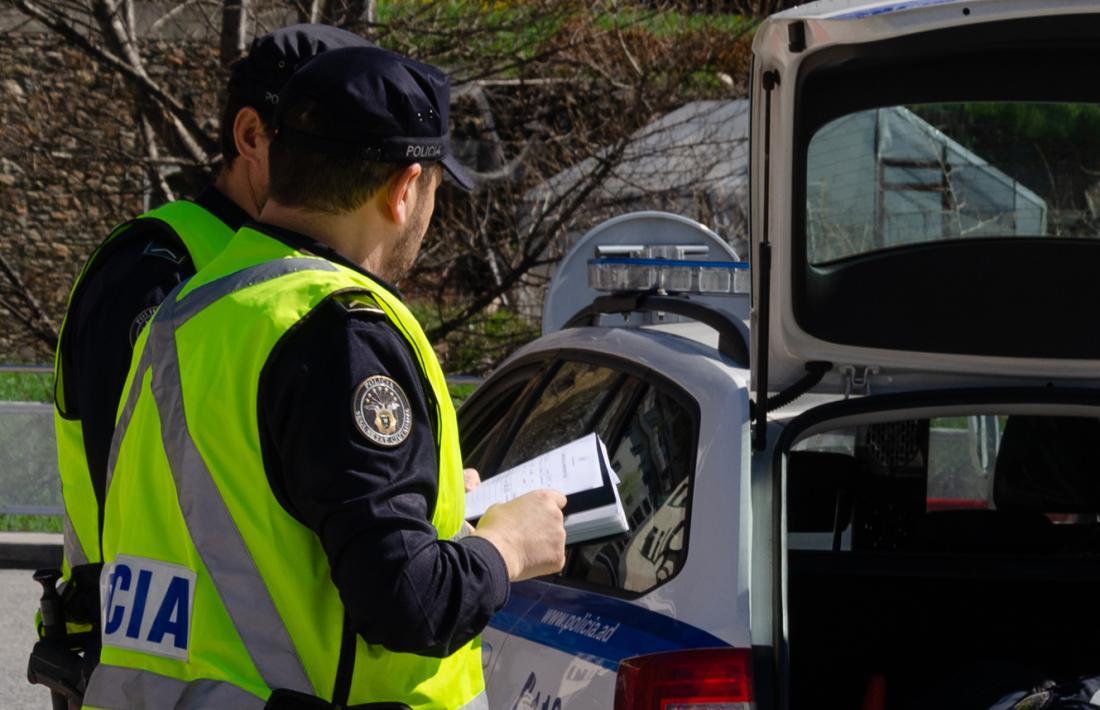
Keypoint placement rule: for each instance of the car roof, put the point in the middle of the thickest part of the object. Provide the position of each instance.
(856, 9)
(661, 349)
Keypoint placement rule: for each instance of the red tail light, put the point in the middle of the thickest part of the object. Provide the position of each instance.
(701, 679)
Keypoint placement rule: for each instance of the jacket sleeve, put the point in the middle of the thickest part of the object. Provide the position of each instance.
(369, 502)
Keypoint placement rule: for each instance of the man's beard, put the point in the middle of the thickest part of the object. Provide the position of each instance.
(407, 246)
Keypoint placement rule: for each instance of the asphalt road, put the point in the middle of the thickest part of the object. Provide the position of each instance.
(18, 602)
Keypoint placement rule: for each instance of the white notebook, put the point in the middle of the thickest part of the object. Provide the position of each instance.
(581, 470)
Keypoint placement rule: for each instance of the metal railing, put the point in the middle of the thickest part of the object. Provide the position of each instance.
(26, 369)
(29, 482)
(48, 369)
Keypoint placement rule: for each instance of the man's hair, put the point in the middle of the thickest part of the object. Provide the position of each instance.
(303, 177)
(233, 105)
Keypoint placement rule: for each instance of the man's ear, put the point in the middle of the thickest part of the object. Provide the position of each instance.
(402, 193)
(250, 135)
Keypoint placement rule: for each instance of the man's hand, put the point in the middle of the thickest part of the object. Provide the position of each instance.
(473, 480)
(528, 532)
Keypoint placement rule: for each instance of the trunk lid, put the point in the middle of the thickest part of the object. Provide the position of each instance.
(926, 194)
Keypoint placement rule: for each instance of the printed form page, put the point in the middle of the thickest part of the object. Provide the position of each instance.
(570, 469)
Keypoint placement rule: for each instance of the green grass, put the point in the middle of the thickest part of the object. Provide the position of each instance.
(479, 344)
(459, 393)
(670, 23)
(492, 28)
(30, 523)
(21, 387)
(523, 31)
(26, 387)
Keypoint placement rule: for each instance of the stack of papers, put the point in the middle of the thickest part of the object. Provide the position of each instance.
(581, 470)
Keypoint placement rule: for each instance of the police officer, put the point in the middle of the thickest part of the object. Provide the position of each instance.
(284, 522)
(128, 276)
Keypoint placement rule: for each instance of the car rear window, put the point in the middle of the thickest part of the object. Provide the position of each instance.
(901, 175)
(965, 484)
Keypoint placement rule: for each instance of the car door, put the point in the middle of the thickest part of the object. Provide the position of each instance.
(558, 641)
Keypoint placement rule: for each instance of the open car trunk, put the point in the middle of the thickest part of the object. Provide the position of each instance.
(926, 221)
(943, 563)
(925, 204)
(930, 632)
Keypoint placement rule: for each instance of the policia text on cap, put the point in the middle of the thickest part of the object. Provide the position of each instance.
(284, 523)
(115, 295)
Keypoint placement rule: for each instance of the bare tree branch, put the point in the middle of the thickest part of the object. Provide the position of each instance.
(535, 247)
(191, 133)
(234, 30)
(170, 15)
(153, 167)
(541, 89)
(36, 320)
(121, 35)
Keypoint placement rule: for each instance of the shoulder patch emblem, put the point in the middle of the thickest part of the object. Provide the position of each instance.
(381, 411)
(139, 323)
(359, 303)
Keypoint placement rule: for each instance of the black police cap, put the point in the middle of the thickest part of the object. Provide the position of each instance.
(274, 57)
(375, 104)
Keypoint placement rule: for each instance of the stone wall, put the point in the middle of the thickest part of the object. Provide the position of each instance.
(69, 161)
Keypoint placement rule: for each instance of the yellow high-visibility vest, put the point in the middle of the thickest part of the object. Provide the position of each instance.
(204, 236)
(213, 594)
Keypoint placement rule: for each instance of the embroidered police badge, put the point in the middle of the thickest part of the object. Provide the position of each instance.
(138, 324)
(381, 411)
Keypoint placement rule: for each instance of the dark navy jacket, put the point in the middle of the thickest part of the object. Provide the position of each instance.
(371, 505)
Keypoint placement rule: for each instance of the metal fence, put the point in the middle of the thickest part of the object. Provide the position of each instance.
(24, 369)
(28, 459)
(28, 451)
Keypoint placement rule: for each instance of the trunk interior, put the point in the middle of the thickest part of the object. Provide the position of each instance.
(943, 563)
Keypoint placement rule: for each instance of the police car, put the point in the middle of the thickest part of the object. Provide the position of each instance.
(884, 493)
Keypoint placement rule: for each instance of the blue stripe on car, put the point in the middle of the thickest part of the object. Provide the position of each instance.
(597, 628)
(887, 9)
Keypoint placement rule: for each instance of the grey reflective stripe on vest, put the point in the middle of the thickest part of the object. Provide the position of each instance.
(74, 551)
(481, 702)
(204, 295)
(113, 687)
(224, 553)
(127, 412)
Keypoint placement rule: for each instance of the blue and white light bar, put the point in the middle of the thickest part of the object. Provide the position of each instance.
(679, 275)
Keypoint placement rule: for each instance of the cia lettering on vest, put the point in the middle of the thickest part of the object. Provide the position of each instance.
(147, 606)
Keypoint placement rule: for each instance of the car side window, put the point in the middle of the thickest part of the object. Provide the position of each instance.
(653, 457)
(570, 406)
(483, 428)
(651, 439)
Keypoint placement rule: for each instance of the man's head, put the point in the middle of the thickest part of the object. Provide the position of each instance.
(364, 130)
(253, 96)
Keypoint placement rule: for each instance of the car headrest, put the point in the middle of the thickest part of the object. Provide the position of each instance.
(817, 483)
(1048, 464)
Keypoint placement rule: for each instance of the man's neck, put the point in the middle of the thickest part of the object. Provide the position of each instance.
(352, 234)
(233, 183)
